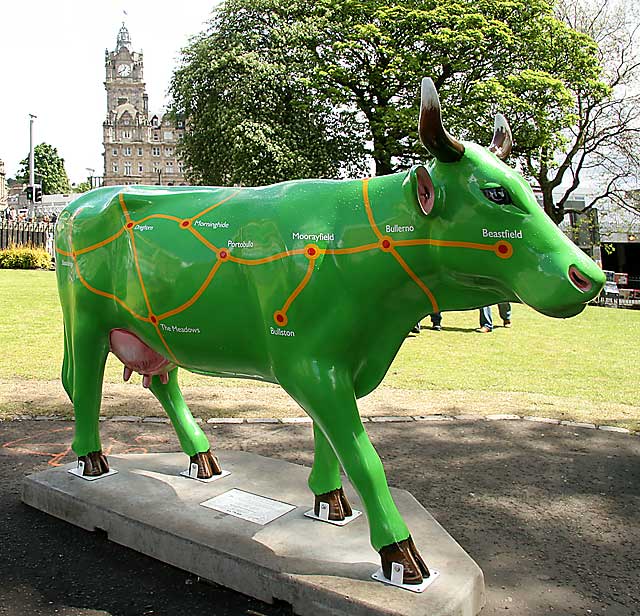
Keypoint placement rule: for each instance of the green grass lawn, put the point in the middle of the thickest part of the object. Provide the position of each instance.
(592, 357)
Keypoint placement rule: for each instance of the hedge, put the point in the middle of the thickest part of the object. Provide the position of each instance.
(24, 257)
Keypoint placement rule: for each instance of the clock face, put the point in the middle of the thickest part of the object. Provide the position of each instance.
(124, 70)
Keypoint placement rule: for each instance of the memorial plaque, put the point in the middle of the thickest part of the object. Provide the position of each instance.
(247, 506)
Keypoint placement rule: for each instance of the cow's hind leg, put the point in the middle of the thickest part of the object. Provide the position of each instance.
(325, 481)
(83, 372)
(192, 439)
(328, 397)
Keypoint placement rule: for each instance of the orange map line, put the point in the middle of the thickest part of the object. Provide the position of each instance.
(114, 237)
(447, 243)
(166, 346)
(367, 207)
(415, 278)
(215, 205)
(390, 247)
(349, 251)
(302, 285)
(107, 295)
(124, 207)
(205, 241)
(166, 216)
(280, 255)
(196, 296)
(135, 256)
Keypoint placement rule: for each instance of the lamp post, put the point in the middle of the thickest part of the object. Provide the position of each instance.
(31, 155)
(159, 177)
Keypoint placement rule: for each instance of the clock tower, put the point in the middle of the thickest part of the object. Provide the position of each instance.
(124, 74)
(139, 147)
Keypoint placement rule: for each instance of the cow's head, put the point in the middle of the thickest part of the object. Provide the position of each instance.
(471, 196)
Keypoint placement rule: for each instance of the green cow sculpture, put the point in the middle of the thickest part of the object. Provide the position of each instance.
(311, 284)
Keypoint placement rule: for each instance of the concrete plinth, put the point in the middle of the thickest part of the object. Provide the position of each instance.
(318, 568)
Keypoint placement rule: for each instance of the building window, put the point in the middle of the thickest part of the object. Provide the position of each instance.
(115, 151)
(180, 134)
(181, 167)
(140, 167)
(127, 151)
(155, 151)
(156, 167)
(169, 166)
(180, 123)
(126, 134)
(154, 121)
(115, 167)
(156, 135)
(127, 168)
(139, 151)
(168, 135)
(168, 151)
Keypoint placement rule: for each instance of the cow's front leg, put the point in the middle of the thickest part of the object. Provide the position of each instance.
(327, 394)
(192, 439)
(325, 481)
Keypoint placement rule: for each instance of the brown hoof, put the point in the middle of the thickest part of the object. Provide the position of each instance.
(95, 464)
(405, 553)
(339, 507)
(208, 465)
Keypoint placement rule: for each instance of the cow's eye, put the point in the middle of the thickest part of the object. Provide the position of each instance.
(498, 195)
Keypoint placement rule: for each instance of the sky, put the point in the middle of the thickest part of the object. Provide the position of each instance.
(52, 65)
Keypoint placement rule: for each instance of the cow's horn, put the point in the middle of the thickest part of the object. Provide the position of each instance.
(502, 140)
(432, 133)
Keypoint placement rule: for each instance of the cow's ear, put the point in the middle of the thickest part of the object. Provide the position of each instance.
(419, 183)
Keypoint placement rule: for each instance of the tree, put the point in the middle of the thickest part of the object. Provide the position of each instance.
(366, 60)
(606, 139)
(585, 124)
(82, 187)
(253, 115)
(49, 170)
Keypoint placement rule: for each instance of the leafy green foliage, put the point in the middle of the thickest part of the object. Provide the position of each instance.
(24, 257)
(82, 187)
(49, 169)
(269, 72)
(254, 116)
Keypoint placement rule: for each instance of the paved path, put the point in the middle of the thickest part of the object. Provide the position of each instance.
(549, 512)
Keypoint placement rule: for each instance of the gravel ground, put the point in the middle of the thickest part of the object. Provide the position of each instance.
(549, 512)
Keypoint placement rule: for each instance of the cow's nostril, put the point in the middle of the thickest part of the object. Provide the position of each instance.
(580, 281)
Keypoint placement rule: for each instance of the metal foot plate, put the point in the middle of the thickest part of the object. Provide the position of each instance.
(418, 588)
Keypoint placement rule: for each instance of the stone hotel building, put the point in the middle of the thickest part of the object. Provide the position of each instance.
(139, 146)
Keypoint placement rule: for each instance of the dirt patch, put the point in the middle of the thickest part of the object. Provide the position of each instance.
(247, 399)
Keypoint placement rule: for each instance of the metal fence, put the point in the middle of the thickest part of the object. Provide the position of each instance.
(34, 233)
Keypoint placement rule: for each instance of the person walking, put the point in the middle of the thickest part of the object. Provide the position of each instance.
(486, 320)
